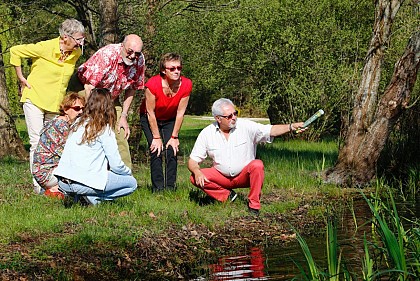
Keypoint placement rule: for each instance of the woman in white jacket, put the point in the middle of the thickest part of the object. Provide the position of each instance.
(91, 165)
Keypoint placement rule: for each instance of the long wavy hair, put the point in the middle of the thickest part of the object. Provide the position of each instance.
(99, 112)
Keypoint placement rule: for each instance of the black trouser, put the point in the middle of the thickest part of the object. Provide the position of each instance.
(74, 84)
(161, 180)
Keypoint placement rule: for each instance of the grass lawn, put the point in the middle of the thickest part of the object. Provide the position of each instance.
(36, 231)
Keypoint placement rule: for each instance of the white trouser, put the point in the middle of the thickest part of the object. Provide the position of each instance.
(35, 118)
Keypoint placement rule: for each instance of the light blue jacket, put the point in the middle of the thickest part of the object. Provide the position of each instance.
(88, 163)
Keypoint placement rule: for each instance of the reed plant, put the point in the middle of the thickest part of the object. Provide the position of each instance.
(387, 224)
(392, 253)
(413, 181)
(367, 262)
(314, 272)
(333, 253)
(335, 270)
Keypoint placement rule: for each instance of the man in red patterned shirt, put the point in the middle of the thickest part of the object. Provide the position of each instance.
(118, 68)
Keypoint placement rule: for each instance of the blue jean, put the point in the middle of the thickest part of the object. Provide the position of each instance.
(116, 186)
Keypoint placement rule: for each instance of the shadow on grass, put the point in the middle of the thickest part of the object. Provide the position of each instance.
(270, 151)
(201, 198)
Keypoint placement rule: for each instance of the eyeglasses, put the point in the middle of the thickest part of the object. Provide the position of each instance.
(172, 69)
(77, 108)
(130, 52)
(80, 41)
(230, 116)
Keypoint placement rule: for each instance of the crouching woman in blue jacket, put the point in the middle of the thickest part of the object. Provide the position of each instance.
(91, 166)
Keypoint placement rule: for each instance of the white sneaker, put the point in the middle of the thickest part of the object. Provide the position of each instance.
(232, 196)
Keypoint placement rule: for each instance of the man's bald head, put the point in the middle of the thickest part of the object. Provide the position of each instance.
(133, 42)
(131, 51)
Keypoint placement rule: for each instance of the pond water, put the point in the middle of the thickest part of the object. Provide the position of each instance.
(279, 262)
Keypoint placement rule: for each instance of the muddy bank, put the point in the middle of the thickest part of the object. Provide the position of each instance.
(172, 255)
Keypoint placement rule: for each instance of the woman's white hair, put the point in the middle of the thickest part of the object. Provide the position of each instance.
(70, 27)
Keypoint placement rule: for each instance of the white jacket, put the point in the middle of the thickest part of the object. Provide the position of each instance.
(88, 163)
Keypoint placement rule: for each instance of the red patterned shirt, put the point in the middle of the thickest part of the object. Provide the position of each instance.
(106, 69)
(50, 147)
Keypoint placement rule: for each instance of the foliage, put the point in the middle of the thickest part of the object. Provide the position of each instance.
(394, 249)
(335, 269)
(10, 74)
(282, 59)
(314, 271)
(333, 255)
(400, 156)
(289, 58)
(367, 262)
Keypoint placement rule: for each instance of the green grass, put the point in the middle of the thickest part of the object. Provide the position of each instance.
(289, 165)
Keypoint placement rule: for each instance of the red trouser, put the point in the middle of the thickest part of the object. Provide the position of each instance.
(219, 186)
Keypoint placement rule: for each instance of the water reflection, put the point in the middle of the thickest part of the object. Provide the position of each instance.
(273, 263)
(246, 267)
(279, 262)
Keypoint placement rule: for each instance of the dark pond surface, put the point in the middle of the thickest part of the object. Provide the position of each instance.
(279, 262)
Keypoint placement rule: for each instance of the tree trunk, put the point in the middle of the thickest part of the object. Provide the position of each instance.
(10, 142)
(371, 124)
(108, 10)
(139, 154)
(84, 14)
(149, 49)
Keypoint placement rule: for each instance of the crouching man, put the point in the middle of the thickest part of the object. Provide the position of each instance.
(231, 143)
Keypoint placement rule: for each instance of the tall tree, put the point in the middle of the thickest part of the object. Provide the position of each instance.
(108, 10)
(10, 142)
(371, 121)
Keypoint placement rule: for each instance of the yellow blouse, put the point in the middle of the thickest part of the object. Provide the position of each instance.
(48, 77)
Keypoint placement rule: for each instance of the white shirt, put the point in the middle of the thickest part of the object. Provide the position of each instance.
(232, 155)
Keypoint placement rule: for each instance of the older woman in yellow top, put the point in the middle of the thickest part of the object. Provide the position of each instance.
(53, 63)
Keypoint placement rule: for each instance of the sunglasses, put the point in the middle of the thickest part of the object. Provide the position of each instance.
(230, 116)
(172, 69)
(76, 108)
(130, 52)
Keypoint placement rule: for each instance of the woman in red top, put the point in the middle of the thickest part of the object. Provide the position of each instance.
(162, 113)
